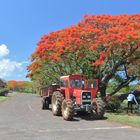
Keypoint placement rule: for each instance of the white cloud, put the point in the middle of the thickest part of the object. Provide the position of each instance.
(4, 51)
(7, 67)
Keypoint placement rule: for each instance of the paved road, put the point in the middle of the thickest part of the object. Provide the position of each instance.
(21, 118)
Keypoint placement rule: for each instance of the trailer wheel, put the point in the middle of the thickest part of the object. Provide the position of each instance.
(98, 107)
(45, 103)
(67, 110)
(57, 99)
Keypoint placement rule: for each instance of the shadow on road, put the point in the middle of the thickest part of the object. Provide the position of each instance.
(83, 116)
(88, 117)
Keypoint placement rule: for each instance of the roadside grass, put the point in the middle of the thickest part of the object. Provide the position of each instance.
(128, 119)
(3, 98)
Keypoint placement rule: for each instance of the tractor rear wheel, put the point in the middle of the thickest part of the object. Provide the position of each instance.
(98, 107)
(45, 103)
(57, 99)
(67, 110)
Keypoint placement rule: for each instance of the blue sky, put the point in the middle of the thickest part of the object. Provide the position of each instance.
(23, 22)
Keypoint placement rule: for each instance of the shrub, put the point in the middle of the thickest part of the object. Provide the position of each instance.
(3, 91)
(124, 105)
(113, 103)
(26, 90)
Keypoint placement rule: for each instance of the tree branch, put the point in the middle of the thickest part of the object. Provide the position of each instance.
(123, 84)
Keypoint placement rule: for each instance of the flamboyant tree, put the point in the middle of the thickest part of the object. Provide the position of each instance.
(105, 47)
(12, 84)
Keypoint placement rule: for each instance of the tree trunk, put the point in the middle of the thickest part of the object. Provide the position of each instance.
(102, 90)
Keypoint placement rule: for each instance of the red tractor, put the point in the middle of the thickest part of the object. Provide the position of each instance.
(73, 95)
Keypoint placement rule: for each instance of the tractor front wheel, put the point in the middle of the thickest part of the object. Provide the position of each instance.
(57, 99)
(67, 110)
(98, 108)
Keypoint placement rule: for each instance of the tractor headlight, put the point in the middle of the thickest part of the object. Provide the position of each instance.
(84, 97)
(89, 97)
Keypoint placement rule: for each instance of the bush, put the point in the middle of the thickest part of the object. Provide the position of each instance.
(124, 105)
(26, 90)
(3, 91)
(113, 103)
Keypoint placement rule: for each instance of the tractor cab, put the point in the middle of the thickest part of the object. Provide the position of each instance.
(78, 81)
(76, 87)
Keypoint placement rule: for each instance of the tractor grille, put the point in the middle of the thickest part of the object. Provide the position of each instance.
(86, 97)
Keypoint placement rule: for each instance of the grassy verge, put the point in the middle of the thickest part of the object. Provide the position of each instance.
(3, 98)
(132, 120)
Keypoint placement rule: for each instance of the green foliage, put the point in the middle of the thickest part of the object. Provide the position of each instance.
(123, 106)
(113, 103)
(126, 89)
(3, 91)
(27, 90)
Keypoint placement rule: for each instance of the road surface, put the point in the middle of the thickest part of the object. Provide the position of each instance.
(21, 118)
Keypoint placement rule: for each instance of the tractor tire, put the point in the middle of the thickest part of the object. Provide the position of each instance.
(98, 107)
(45, 103)
(67, 110)
(57, 99)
